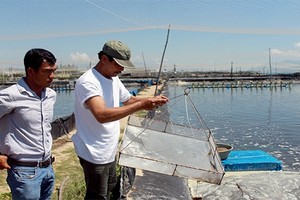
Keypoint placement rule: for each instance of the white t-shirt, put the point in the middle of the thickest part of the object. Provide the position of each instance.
(94, 141)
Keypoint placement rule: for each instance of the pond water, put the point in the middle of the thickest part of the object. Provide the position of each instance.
(249, 118)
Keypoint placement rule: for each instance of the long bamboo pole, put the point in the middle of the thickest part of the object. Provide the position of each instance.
(161, 62)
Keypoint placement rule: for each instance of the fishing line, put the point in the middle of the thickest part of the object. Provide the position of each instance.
(187, 115)
(208, 135)
(114, 14)
(201, 120)
(176, 97)
(186, 92)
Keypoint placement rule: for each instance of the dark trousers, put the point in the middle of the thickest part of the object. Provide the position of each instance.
(100, 179)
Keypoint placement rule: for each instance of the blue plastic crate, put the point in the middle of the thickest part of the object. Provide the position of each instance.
(251, 160)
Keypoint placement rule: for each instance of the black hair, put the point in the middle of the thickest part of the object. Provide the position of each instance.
(35, 57)
(101, 53)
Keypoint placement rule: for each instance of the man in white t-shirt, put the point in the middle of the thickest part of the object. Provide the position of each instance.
(98, 93)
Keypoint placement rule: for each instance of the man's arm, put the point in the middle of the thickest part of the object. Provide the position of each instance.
(134, 99)
(104, 114)
(3, 162)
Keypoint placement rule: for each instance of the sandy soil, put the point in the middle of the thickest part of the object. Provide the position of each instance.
(61, 145)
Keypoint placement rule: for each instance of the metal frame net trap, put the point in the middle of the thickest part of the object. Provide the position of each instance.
(180, 146)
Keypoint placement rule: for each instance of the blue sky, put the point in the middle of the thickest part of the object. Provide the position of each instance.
(204, 35)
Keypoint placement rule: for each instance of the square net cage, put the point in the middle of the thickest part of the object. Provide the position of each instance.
(180, 146)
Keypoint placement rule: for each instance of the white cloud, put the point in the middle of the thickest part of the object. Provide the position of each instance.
(297, 44)
(80, 57)
(276, 52)
(288, 53)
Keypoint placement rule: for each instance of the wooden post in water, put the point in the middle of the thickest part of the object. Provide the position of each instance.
(270, 62)
(231, 70)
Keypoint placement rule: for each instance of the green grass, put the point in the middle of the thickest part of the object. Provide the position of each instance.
(3, 184)
(70, 173)
(5, 196)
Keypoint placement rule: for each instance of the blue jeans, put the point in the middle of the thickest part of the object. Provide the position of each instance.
(32, 183)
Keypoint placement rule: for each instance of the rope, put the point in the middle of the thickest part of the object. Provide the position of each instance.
(187, 114)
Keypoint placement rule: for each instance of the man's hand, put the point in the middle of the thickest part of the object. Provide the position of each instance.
(3, 162)
(154, 102)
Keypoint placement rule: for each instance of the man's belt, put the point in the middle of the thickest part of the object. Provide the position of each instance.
(40, 164)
